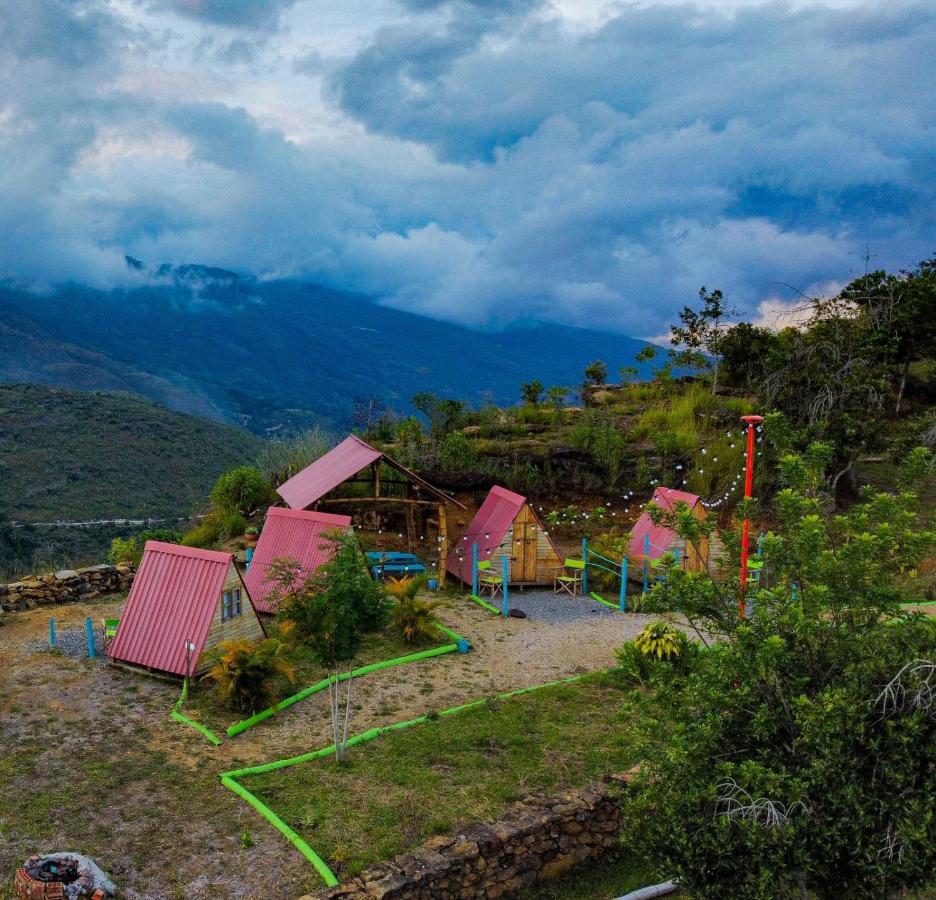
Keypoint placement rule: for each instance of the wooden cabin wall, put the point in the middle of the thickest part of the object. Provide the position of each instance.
(245, 627)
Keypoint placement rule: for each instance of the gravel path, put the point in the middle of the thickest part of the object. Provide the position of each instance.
(71, 642)
(557, 609)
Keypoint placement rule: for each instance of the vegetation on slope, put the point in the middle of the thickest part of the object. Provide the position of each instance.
(89, 456)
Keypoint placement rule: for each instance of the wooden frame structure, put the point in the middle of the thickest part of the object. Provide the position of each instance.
(354, 462)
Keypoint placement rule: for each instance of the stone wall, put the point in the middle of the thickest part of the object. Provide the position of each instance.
(65, 586)
(535, 840)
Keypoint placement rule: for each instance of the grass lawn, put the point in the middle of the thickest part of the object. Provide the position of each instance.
(401, 788)
(205, 706)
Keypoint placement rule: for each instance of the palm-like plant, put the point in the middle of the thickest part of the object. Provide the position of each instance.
(415, 618)
(405, 588)
(659, 639)
(250, 675)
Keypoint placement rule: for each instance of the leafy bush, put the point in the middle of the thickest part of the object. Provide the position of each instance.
(331, 611)
(125, 550)
(249, 675)
(659, 640)
(798, 756)
(243, 491)
(455, 454)
(204, 535)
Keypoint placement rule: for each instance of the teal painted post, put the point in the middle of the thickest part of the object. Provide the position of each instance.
(89, 629)
(585, 566)
(474, 570)
(51, 631)
(676, 555)
(249, 554)
(646, 563)
(794, 592)
(622, 599)
(505, 570)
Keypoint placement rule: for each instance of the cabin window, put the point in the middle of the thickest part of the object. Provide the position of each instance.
(230, 605)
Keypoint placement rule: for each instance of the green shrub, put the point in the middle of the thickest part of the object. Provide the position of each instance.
(204, 535)
(455, 454)
(125, 550)
(243, 490)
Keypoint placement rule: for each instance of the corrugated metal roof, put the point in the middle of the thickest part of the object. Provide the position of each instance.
(660, 537)
(487, 530)
(295, 534)
(173, 599)
(337, 466)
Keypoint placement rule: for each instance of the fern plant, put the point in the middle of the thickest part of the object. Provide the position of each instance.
(416, 618)
(250, 675)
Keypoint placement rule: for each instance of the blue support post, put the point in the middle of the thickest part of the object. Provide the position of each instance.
(646, 563)
(506, 572)
(474, 570)
(51, 631)
(622, 599)
(676, 555)
(585, 567)
(89, 629)
(249, 554)
(794, 592)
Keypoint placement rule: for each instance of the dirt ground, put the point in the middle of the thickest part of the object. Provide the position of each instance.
(90, 760)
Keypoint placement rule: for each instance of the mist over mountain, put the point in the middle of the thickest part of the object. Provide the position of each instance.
(274, 355)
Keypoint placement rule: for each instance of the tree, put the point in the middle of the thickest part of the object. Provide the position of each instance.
(745, 349)
(442, 415)
(243, 491)
(330, 612)
(248, 675)
(596, 372)
(455, 454)
(532, 391)
(701, 332)
(797, 748)
(628, 374)
(556, 396)
(900, 314)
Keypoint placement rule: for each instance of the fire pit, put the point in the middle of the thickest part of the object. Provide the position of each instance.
(62, 876)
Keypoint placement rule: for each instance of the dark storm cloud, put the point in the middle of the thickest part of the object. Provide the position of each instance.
(242, 14)
(489, 162)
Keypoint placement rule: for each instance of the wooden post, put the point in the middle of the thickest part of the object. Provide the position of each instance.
(443, 544)
(376, 467)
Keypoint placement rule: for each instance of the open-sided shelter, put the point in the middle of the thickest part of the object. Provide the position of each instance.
(184, 601)
(296, 534)
(661, 540)
(507, 525)
(380, 495)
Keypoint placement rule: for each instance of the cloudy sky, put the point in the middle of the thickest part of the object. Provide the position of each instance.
(482, 161)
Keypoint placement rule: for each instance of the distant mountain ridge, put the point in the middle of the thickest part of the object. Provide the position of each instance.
(274, 355)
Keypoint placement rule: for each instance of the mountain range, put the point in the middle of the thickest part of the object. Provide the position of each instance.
(274, 355)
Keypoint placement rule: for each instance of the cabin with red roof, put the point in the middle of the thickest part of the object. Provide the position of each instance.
(662, 540)
(507, 525)
(295, 534)
(397, 506)
(183, 603)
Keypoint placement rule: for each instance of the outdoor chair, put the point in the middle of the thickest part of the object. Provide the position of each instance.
(488, 581)
(108, 631)
(569, 578)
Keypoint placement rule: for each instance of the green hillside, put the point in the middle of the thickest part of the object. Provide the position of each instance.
(66, 455)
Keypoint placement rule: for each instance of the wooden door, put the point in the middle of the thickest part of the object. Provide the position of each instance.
(523, 568)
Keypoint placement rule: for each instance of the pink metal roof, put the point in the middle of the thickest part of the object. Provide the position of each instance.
(660, 537)
(173, 600)
(295, 534)
(487, 530)
(337, 466)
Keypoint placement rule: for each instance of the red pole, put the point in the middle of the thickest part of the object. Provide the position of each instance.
(752, 422)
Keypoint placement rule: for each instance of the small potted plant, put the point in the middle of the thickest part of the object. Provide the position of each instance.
(251, 533)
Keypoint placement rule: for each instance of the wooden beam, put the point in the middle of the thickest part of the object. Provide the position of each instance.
(443, 544)
(352, 500)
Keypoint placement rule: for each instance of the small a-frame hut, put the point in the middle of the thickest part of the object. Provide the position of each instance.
(393, 501)
(184, 601)
(507, 525)
(296, 534)
(661, 540)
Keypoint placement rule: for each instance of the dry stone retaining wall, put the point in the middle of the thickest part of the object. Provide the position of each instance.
(535, 840)
(65, 586)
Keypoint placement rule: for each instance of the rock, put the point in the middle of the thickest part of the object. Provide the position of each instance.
(515, 613)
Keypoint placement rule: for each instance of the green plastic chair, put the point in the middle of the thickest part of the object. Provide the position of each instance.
(488, 581)
(109, 629)
(569, 578)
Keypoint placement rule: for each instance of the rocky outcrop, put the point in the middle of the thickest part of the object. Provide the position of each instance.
(536, 840)
(65, 586)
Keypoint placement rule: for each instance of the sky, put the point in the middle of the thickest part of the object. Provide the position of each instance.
(479, 161)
